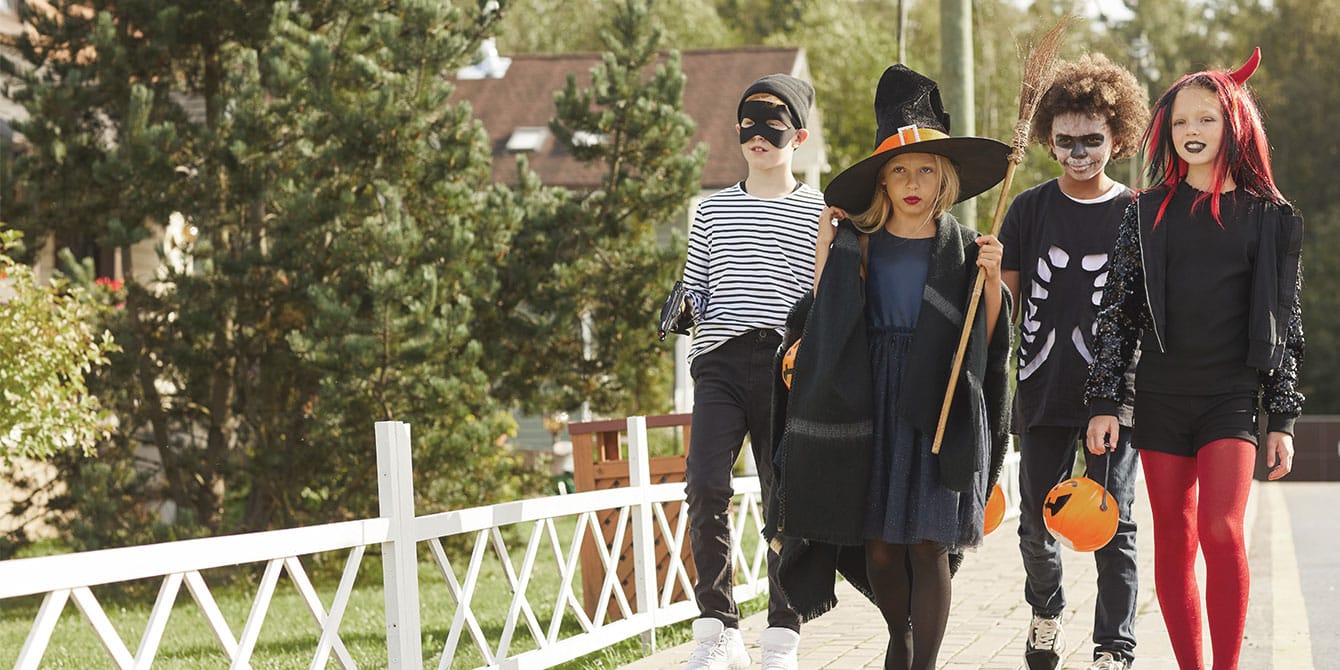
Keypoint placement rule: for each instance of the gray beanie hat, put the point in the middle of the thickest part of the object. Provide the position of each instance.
(797, 94)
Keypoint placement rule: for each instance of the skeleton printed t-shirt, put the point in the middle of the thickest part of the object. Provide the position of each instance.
(1060, 248)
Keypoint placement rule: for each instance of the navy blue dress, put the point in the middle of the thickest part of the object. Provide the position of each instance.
(906, 502)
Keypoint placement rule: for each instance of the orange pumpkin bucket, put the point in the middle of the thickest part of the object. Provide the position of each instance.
(1080, 514)
(995, 510)
(789, 363)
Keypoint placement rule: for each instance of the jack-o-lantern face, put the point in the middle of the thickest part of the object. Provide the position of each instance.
(995, 510)
(789, 363)
(1080, 514)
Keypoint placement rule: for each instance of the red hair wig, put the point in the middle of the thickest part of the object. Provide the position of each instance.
(1244, 152)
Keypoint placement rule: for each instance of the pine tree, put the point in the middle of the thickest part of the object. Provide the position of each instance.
(347, 234)
(586, 276)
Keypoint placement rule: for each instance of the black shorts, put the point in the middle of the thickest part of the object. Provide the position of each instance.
(1181, 424)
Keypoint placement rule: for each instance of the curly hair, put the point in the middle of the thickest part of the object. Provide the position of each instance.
(1095, 86)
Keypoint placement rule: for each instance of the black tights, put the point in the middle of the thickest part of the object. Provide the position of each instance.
(921, 602)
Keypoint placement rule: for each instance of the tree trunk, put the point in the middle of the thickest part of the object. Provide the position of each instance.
(956, 80)
(902, 30)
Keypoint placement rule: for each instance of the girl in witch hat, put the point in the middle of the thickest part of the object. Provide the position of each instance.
(1205, 279)
(858, 482)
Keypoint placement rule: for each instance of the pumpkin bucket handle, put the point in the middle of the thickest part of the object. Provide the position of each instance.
(1107, 468)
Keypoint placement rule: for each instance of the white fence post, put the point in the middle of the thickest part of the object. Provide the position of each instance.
(400, 566)
(644, 540)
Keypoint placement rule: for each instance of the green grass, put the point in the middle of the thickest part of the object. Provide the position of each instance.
(288, 638)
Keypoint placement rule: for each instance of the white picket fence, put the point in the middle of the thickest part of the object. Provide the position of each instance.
(641, 510)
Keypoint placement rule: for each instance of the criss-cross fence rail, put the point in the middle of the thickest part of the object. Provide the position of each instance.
(540, 629)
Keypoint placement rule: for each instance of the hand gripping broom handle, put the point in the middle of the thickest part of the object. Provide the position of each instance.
(1039, 70)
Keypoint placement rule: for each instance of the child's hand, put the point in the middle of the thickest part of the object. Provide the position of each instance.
(828, 224)
(1103, 430)
(989, 255)
(1279, 454)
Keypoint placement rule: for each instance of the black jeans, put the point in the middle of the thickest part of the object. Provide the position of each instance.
(1047, 455)
(732, 396)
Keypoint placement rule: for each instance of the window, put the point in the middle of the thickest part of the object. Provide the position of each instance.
(527, 138)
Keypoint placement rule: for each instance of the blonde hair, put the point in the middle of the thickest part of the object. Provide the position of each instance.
(881, 207)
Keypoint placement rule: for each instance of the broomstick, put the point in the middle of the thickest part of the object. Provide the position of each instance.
(1039, 71)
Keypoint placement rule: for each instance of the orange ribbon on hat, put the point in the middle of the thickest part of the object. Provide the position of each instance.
(907, 135)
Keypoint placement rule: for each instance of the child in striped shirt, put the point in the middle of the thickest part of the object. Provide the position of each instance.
(750, 257)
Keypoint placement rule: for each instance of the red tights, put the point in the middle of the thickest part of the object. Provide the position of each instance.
(1213, 520)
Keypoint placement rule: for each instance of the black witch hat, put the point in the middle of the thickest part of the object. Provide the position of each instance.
(911, 119)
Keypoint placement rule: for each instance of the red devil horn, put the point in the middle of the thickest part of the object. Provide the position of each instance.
(1242, 74)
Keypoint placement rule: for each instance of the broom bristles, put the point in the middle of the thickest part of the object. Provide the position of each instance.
(1038, 72)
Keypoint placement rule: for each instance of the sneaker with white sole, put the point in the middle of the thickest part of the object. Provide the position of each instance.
(779, 648)
(1045, 643)
(719, 647)
(1107, 660)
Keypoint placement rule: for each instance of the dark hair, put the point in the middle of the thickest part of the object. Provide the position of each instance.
(1095, 86)
(1244, 152)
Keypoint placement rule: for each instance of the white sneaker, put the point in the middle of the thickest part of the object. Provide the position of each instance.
(779, 648)
(1109, 661)
(1045, 644)
(719, 647)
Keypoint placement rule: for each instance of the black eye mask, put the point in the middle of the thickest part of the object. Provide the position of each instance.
(761, 113)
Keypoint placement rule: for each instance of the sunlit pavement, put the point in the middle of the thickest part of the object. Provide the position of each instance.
(1293, 535)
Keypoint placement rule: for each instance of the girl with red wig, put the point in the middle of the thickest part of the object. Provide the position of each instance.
(1204, 281)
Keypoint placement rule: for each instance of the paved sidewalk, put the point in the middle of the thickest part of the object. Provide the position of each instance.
(988, 618)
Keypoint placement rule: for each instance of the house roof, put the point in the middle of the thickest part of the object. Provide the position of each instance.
(714, 78)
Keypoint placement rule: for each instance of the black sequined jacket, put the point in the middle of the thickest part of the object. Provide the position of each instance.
(1133, 306)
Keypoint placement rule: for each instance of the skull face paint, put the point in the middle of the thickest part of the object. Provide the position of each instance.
(1081, 144)
(773, 123)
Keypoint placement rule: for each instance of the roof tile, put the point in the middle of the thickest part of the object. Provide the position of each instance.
(524, 97)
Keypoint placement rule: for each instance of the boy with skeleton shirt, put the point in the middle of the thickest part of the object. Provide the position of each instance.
(1056, 237)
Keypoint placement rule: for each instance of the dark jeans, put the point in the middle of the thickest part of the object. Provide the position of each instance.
(732, 396)
(1047, 455)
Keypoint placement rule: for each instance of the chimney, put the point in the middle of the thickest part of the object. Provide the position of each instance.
(490, 65)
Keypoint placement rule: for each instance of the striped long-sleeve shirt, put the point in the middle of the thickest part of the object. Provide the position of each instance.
(749, 260)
